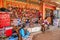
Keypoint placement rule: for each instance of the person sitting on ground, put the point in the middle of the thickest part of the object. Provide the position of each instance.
(23, 32)
(46, 23)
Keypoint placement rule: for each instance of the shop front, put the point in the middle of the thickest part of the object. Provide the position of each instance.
(27, 13)
(48, 12)
(24, 9)
(45, 9)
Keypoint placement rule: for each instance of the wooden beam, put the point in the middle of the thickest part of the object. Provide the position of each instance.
(50, 2)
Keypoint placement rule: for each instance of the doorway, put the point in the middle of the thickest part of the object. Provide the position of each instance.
(49, 15)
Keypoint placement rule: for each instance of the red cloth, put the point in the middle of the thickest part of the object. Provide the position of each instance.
(8, 32)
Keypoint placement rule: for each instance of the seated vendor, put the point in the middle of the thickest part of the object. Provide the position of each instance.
(23, 32)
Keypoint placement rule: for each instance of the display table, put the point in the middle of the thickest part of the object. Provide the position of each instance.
(34, 29)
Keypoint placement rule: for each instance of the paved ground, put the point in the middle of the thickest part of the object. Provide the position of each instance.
(52, 34)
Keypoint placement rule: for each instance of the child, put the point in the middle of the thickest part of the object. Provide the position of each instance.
(24, 33)
(46, 23)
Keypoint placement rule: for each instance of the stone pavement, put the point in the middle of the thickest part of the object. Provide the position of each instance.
(52, 34)
(51, 27)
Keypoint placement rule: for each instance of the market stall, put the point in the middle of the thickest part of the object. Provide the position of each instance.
(22, 13)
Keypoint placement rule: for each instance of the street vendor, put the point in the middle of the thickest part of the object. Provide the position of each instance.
(24, 32)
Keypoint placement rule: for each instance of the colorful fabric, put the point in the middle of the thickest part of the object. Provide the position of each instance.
(12, 38)
(22, 33)
(8, 32)
(16, 22)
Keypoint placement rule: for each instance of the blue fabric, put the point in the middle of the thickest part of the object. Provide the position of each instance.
(27, 34)
(12, 38)
(22, 33)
